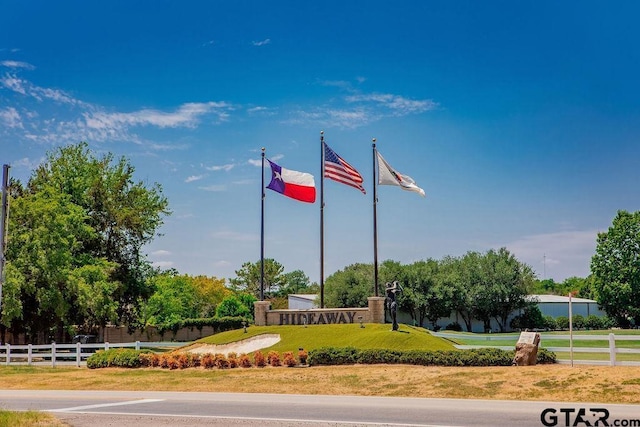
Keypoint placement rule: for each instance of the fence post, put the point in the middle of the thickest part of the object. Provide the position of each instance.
(78, 353)
(8, 358)
(29, 354)
(53, 354)
(612, 349)
(137, 345)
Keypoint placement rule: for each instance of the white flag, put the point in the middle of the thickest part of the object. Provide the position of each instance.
(388, 176)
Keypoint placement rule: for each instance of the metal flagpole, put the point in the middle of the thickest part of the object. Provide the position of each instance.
(3, 226)
(375, 222)
(262, 232)
(321, 219)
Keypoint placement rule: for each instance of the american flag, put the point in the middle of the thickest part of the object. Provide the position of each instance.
(338, 170)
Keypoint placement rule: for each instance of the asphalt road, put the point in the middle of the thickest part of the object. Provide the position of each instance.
(150, 408)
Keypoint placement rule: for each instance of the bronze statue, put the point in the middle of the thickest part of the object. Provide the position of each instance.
(392, 290)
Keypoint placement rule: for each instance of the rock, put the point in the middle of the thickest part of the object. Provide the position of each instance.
(527, 349)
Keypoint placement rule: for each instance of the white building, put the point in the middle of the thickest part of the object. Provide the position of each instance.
(303, 301)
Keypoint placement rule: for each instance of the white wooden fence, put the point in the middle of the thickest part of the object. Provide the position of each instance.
(66, 354)
(612, 349)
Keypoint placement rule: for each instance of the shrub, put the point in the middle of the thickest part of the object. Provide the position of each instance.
(259, 360)
(578, 321)
(302, 356)
(550, 323)
(545, 357)
(117, 357)
(594, 322)
(146, 359)
(274, 358)
(208, 361)
(373, 356)
(562, 322)
(245, 361)
(332, 356)
(531, 318)
(221, 361)
(232, 358)
(454, 326)
(474, 357)
(194, 360)
(288, 359)
(182, 360)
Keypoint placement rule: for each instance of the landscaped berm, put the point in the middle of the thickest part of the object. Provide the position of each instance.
(313, 345)
(416, 368)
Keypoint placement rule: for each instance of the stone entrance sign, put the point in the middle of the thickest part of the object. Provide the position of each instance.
(527, 349)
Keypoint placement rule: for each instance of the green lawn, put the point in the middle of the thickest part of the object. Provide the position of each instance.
(293, 337)
(548, 340)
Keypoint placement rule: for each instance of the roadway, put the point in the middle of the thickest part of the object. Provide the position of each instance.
(153, 408)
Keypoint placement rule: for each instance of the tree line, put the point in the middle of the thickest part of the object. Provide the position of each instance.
(484, 286)
(75, 262)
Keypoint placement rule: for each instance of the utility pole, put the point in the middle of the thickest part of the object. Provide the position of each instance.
(3, 226)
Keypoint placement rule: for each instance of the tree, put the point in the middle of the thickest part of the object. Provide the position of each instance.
(233, 306)
(124, 215)
(349, 287)
(296, 282)
(615, 268)
(45, 251)
(248, 277)
(510, 282)
(74, 242)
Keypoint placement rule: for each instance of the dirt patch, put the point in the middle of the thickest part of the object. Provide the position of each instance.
(239, 347)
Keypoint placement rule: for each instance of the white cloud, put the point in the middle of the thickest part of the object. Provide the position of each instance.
(360, 109)
(24, 87)
(193, 178)
(17, 64)
(557, 255)
(10, 118)
(94, 123)
(27, 163)
(215, 188)
(161, 252)
(399, 105)
(187, 115)
(261, 42)
(163, 264)
(225, 168)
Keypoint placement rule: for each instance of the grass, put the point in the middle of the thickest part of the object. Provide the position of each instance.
(605, 384)
(342, 335)
(28, 419)
(548, 340)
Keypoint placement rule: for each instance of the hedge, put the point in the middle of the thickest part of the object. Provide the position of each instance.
(129, 358)
(474, 357)
(117, 357)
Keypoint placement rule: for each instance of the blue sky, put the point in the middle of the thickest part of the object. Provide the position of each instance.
(520, 120)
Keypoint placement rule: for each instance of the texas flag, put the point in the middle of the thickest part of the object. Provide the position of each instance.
(294, 184)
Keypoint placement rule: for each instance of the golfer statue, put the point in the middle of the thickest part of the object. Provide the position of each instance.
(392, 305)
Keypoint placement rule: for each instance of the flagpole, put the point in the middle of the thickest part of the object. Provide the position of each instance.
(3, 225)
(375, 222)
(262, 232)
(321, 219)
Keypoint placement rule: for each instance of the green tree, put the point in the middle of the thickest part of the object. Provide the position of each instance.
(233, 306)
(124, 215)
(175, 298)
(615, 268)
(45, 251)
(296, 282)
(510, 282)
(349, 287)
(248, 277)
